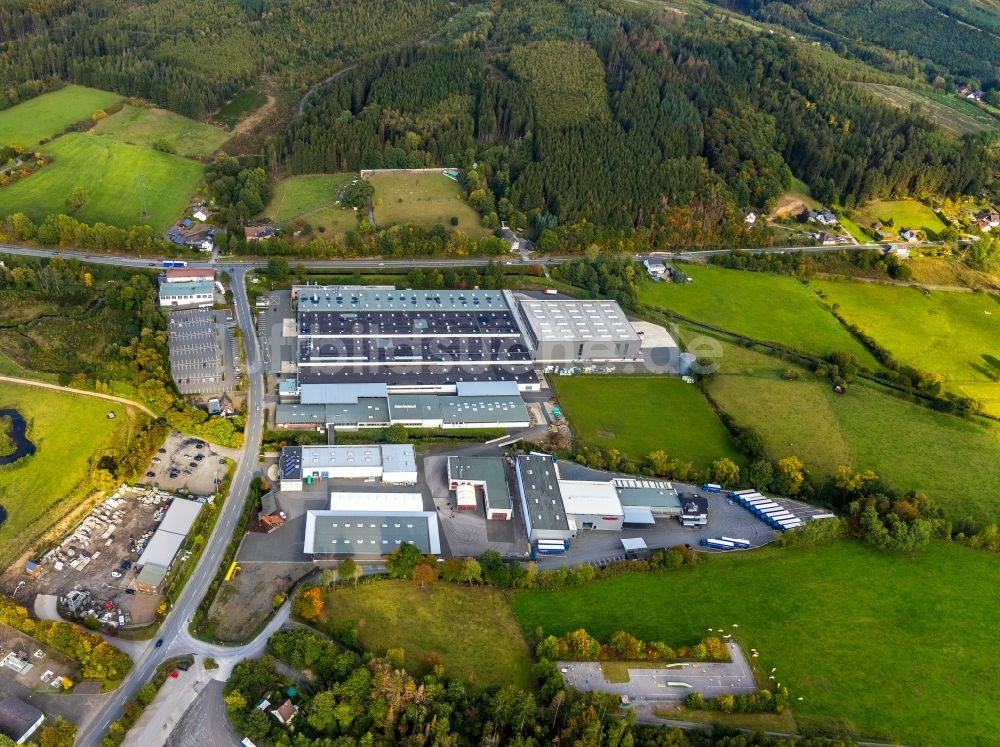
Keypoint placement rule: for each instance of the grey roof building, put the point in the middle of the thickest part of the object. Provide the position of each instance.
(579, 331)
(541, 501)
(370, 532)
(19, 720)
(487, 473)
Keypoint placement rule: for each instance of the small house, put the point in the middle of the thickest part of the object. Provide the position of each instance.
(285, 712)
(899, 251)
(200, 216)
(259, 233)
(909, 234)
(750, 218)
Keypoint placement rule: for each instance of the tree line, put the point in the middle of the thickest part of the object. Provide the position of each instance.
(363, 698)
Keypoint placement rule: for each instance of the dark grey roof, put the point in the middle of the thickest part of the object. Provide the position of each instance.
(412, 349)
(370, 532)
(418, 375)
(538, 482)
(487, 470)
(17, 717)
(471, 320)
(693, 504)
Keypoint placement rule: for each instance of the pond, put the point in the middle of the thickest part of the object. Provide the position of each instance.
(19, 435)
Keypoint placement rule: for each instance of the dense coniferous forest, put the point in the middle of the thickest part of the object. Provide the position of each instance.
(583, 122)
(961, 37)
(579, 114)
(191, 56)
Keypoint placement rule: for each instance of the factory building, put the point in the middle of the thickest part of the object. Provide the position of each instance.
(390, 463)
(411, 340)
(371, 524)
(644, 501)
(410, 410)
(591, 504)
(541, 502)
(565, 331)
(470, 476)
(158, 555)
(200, 293)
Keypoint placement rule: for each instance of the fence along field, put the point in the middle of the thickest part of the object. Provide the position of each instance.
(956, 116)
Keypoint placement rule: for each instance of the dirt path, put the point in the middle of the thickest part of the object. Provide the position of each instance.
(248, 124)
(81, 392)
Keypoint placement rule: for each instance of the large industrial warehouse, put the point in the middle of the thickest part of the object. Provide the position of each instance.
(390, 463)
(565, 331)
(371, 524)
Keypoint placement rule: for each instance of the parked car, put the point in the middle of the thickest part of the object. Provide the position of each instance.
(162, 451)
(150, 474)
(116, 574)
(192, 465)
(130, 591)
(199, 457)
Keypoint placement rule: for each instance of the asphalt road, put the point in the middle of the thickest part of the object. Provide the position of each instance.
(233, 264)
(175, 625)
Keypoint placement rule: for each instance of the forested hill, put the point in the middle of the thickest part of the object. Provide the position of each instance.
(576, 112)
(190, 55)
(960, 37)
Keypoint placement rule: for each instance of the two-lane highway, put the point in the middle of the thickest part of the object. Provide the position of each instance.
(198, 583)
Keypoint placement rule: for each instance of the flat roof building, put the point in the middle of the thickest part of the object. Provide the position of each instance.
(180, 516)
(19, 720)
(187, 294)
(415, 340)
(161, 549)
(488, 475)
(390, 463)
(591, 504)
(541, 502)
(370, 532)
(386, 503)
(579, 331)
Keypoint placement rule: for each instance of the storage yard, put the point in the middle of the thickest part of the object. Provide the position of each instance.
(95, 569)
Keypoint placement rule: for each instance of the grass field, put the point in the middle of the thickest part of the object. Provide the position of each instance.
(240, 106)
(954, 115)
(310, 198)
(774, 308)
(912, 447)
(877, 640)
(902, 213)
(469, 630)
(951, 271)
(640, 414)
(126, 184)
(144, 126)
(51, 113)
(67, 431)
(954, 334)
(423, 199)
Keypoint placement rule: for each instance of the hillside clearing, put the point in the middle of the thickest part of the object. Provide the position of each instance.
(145, 126)
(424, 199)
(49, 114)
(772, 308)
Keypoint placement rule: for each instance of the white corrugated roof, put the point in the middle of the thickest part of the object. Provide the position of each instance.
(382, 502)
(590, 497)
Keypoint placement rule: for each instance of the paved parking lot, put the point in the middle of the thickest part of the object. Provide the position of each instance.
(201, 351)
(673, 683)
(176, 466)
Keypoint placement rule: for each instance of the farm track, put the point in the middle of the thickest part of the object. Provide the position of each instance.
(81, 392)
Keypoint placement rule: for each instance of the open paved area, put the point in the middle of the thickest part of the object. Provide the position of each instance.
(187, 463)
(201, 351)
(203, 721)
(668, 683)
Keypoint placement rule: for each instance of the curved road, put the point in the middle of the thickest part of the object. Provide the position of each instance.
(174, 627)
(81, 392)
